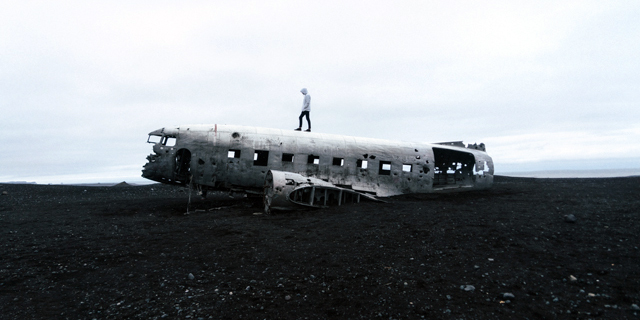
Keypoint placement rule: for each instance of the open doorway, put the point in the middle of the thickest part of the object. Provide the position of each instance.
(183, 165)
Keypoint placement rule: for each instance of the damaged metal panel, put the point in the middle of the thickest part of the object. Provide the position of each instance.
(240, 158)
(287, 190)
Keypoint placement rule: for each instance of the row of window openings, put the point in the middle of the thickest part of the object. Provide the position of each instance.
(260, 158)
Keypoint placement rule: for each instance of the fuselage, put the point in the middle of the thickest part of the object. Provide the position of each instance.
(238, 157)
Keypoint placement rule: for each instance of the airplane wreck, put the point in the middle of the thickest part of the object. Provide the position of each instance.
(293, 169)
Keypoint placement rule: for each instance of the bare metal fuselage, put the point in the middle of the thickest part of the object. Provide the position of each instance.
(240, 158)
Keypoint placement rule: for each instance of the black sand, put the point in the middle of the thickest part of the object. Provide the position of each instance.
(131, 252)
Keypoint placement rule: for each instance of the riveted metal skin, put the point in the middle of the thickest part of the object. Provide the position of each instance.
(239, 158)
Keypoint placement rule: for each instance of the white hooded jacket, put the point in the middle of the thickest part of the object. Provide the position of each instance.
(306, 102)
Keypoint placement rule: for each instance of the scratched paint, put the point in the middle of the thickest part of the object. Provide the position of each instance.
(226, 157)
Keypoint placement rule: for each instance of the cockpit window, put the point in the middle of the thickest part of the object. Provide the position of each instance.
(154, 139)
(164, 140)
(169, 141)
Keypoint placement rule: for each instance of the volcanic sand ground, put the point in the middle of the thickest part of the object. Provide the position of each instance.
(131, 252)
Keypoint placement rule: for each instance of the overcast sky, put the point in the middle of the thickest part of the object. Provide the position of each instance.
(546, 85)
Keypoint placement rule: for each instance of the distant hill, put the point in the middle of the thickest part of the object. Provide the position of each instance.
(18, 182)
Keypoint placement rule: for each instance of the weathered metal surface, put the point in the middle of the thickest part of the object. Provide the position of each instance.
(239, 158)
(287, 190)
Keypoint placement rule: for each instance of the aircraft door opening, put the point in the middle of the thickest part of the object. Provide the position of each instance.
(183, 165)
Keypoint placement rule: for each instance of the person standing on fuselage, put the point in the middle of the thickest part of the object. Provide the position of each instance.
(306, 108)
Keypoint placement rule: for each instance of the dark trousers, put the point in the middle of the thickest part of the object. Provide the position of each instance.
(302, 114)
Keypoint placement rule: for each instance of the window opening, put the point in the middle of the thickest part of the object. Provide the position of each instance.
(407, 167)
(154, 139)
(169, 141)
(385, 168)
(287, 157)
(455, 166)
(338, 161)
(234, 153)
(313, 159)
(260, 158)
(361, 164)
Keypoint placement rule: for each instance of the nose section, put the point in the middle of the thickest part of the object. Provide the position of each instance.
(168, 166)
(158, 167)
(152, 169)
(161, 164)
